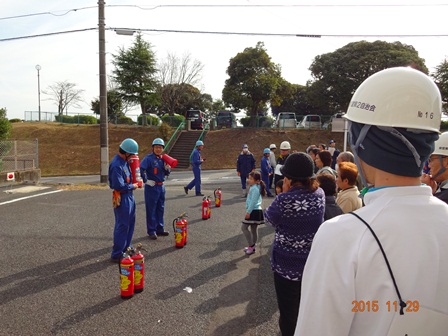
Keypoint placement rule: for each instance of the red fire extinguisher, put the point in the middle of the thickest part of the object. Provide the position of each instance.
(134, 163)
(209, 206)
(205, 208)
(127, 276)
(218, 197)
(185, 236)
(180, 227)
(139, 268)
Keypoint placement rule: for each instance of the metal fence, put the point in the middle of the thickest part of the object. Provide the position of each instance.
(18, 155)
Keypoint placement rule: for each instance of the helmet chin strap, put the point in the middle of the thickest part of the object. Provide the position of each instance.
(441, 170)
(355, 147)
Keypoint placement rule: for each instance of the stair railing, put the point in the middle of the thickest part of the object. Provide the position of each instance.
(170, 144)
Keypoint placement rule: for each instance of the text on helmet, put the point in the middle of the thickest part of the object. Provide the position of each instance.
(363, 106)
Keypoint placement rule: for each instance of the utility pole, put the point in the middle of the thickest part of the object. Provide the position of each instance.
(104, 137)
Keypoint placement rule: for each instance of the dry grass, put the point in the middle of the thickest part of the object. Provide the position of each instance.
(75, 149)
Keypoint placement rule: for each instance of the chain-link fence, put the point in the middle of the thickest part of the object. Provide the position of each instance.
(18, 155)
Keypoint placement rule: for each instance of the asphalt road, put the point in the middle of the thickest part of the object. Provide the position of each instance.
(56, 278)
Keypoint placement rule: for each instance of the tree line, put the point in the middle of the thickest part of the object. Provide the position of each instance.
(254, 82)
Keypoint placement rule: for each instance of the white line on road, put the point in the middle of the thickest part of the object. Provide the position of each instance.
(24, 198)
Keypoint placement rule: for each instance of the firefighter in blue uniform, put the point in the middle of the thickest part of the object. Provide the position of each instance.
(120, 180)
(154, 170)
(266, 170)
(196, 161)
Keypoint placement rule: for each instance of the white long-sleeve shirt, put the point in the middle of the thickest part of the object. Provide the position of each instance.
(346, 266)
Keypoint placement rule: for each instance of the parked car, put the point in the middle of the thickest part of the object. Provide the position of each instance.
(225, 119)
(196, 117)
(311, 121)
(286, 120)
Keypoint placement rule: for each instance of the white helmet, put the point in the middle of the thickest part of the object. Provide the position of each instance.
(272, 146)
(397, 97)
(285, 145)
(441, 145)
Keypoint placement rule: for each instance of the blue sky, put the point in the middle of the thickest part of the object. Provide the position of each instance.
(74, 57)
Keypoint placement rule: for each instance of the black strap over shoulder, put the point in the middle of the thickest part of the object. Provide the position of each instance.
(402, 303)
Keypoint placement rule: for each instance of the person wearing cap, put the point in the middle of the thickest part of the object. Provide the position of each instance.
(196, 162)
(437, 178)
(123, 202)
(296, 214)
(393, 251)
(285, 148)
(273, 162)
(266, 170)
(245, 164)
(154, 171)
(334, 153)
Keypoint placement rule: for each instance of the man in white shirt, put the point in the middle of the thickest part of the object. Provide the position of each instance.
(347, 288)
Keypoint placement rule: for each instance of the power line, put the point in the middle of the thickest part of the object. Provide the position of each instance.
(46, 34)
(204, 32)
(67, 11)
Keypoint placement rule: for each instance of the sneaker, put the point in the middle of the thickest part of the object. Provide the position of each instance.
(153, 236)
(250, 250)
(115, 260)
(163, 233)
(200, 194)
(186, 190)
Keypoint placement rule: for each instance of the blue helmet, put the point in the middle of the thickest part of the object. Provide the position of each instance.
(158, 141)
(266, 151)
(129, 146)
(199, 143)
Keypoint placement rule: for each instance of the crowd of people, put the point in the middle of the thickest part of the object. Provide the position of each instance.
(350, 227)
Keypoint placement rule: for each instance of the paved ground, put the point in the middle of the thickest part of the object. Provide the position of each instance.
(56, 277)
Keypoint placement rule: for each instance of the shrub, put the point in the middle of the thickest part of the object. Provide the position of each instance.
(150, 120)
(64, 119)
(262, 121)
(166, 131)
(78, 119)
(15, 120)
(444, 126)
(88, 120)
(173, 121)
(123, 120)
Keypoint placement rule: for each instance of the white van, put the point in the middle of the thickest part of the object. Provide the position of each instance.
(286, 120)
(311, 121)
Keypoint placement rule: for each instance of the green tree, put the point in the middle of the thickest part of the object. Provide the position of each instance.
(252, 83)
(338, 74)
(440, 76)
(294, 98)
(135, 75)
(178, 98)
(114, 105)
(5, 125)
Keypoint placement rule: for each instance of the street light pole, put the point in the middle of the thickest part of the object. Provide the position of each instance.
(104, 137)
(38, 67)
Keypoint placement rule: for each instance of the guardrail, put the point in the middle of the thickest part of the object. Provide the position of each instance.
(169, 145)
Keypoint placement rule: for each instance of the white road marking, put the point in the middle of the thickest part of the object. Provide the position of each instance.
(24, 190)
(27, 197)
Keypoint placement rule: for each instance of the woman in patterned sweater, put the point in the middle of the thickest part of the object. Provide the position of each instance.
(296, 214)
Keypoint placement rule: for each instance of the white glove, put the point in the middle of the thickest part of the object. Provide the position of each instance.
(167, 167)
(151, 183)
